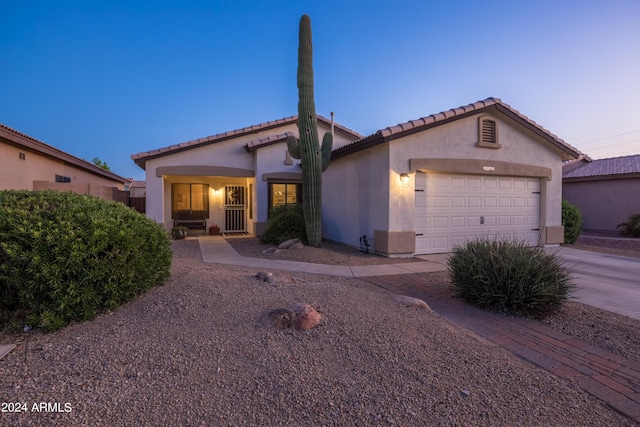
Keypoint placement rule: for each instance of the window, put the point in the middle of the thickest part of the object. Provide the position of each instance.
(190, 198)
(284, 194)
(22, 156)
(60, 178)
(487, 133)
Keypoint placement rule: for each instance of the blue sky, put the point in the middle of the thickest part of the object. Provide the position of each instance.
(112, 78)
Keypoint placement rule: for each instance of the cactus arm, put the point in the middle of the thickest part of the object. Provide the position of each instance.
(327, 145)
(293, 146)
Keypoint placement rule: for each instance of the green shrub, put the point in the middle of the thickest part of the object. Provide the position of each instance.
(66, 257)
(572, 221)
(286, 222)
(631, 228)
(509, 276)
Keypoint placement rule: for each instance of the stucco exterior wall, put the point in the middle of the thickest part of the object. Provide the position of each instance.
(261, 161)
(457, 140)
(363, 193)
(18, 174)
(604, 203)
(355, 196)
(270, 160)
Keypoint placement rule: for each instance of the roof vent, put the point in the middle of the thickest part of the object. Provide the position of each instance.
(487, 132)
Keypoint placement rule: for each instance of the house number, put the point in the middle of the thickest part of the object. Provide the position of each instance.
(488, 168)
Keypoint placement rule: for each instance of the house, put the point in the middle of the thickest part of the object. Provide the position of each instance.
(415, 188)
(607, 191)
(29, 164)
(232, 178)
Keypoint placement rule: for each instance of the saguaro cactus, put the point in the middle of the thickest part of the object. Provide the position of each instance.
(314, 158)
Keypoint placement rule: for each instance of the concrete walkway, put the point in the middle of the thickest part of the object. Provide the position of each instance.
(215, 249)
(610, 377)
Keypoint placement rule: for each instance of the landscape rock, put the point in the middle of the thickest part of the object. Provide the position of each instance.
(279, 318)
(411, 302)
(265, 276)
(291, 244)
(270, 251)
(306, 317)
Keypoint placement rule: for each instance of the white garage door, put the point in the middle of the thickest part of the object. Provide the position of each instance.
(451, 209)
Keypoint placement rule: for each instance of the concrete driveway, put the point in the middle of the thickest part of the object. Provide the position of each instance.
(609, 282)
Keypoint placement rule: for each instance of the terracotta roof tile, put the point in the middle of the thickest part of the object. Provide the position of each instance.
(624, 165)
(25, 140)
(444, 116)
(140, 158)
(262, 142)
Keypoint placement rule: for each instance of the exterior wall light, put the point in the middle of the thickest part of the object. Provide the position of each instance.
(404, 178)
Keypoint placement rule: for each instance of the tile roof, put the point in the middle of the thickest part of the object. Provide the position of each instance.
(138, 183)
(23, 140)
(625, 165)
(142, 157)
(263, 142)
(423, 123)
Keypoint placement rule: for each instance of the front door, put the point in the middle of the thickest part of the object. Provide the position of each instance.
(234, 209)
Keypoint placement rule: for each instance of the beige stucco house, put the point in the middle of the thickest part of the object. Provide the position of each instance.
(29, 164)
(232, 179)
(607, 191)
(416, 188)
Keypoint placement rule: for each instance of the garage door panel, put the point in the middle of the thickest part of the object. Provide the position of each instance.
(454, 209)
(504, 220)
(490, 202)
(441, 202)
(458, 221)
(474, 202)
(458, 201)
(441, 222)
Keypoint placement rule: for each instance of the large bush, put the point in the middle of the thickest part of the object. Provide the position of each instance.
(286, 222)
(572, 221)
(65, 256)
(631, 228)
(508, 276)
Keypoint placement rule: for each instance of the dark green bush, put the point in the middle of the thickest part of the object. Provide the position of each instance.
(631, 228)
(66, 257)
(572, 221)
(286, 222)
(509, 276)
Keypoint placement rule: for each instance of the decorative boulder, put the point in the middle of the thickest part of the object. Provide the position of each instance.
(265, 276)
(411, 302)
(291, 244)
(306, 317)
(279, 318)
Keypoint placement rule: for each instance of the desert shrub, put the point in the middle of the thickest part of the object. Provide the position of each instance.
(509, 276)
(65, 256)
(631, 228)
(286, 222)
(572, 221)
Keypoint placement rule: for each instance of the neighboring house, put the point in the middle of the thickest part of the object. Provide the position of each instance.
(29, 164)
(416, 188)
(137, 188)
(607, 191)
(232, 179)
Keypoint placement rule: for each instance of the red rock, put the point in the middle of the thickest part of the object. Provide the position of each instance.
(306, 316)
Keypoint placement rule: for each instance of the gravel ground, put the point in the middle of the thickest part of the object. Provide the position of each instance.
(192, 352)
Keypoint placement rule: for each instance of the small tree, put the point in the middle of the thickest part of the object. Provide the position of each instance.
(99, 163)
(572, 221)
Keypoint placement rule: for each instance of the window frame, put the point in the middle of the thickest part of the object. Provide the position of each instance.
(205, 200)
(298, 193)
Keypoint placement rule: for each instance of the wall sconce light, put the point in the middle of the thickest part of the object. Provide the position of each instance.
(404, 178)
